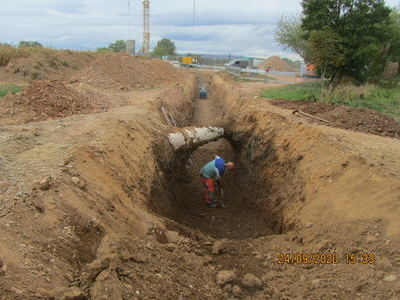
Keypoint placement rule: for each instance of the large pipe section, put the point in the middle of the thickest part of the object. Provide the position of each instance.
(190, 138)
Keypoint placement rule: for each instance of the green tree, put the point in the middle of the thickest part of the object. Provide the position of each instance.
(29, 44)
(294, 63)
(290, 34)
(164, 47)
(103, 49)
(392, 49)
(359, 29)
(326, 49)
(117, 46)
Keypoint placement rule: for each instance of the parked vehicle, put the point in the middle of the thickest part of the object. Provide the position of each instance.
(241, 63)
(189, 60)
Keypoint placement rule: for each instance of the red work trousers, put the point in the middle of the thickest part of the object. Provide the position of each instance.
(209, 188)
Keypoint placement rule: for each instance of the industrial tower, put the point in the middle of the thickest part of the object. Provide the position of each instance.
(146, 27)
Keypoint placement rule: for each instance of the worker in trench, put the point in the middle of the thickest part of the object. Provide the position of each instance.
(211, 176)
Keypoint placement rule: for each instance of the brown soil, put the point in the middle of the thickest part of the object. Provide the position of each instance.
(44, 100)
(277, 64)
(99, 206)
(109, 81)
(123, 72)
(241, 220)
(352, 118)
(47, 65)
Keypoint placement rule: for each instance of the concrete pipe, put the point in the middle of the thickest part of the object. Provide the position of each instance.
(190, 138)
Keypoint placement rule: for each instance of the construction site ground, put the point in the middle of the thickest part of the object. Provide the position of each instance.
(95, 203)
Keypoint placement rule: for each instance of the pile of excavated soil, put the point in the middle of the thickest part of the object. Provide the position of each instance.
(125, 72)
(55, 100)
(48, 64)
(352, 118)
(100, 85)
(43, 100)
(277, 64)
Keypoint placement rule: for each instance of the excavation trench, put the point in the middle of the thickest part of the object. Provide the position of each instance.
(120, 213)
(249, 198)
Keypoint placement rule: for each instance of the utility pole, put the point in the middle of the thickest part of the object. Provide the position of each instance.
(146, 27)
(194, 12)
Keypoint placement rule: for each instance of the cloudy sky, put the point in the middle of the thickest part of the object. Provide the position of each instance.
(220, 26)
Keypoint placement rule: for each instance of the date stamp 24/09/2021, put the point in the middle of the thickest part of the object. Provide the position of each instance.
(326, 258)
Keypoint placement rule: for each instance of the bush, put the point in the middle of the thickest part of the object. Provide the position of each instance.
(29, 44)
(4, 90)
(103, 50)
(7, 53)
(347, 94)
(65, 63)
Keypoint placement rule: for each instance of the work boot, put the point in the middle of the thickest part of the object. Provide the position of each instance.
(212, 204)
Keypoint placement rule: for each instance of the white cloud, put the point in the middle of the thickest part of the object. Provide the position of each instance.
(221, 27)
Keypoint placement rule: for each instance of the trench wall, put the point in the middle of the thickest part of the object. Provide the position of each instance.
(121, 171)
(99, 190)
(130, 163)
(299, 174)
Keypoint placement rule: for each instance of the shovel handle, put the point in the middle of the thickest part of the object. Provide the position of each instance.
(223, 198)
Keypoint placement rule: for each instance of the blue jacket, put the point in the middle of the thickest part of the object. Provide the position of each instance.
(214, 169)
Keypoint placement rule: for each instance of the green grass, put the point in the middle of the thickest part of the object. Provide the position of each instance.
(383, 100)
(254, 79)
(303, 91)
(386, 101)
(4, 90)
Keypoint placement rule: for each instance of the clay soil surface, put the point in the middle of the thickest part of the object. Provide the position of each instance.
(95, 204)
(352, 118)
(93, 84)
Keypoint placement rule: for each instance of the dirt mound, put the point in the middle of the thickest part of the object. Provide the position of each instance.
(49, 64)
(44, 100)
(124, 72)
(87, 91)
(352, 118)
(56, 100)
(277, 64)
(306, 208)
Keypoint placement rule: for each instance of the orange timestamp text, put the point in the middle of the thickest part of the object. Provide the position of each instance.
(325, 258)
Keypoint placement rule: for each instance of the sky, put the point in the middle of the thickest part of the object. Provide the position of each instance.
(234, 27)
